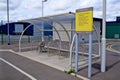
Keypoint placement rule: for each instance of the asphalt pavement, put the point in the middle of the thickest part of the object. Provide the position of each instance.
(44, 72)
(38, 70)
(112, 68)
(9, 73)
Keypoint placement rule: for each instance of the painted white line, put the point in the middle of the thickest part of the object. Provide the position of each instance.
(4, 49)
(20, 70)
(79, 76)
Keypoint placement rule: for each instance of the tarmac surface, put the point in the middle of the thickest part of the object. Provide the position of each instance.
(112, 66)
(38, 70)
(9, 73)
(44, 72)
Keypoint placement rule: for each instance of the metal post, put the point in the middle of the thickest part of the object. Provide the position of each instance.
(90, 56)
(1, 33)
(76, 53)
(43, 22)
(103, 56)
(8, 23)
(1, 22)
(1, 37)
(28, 39)
(42, 8)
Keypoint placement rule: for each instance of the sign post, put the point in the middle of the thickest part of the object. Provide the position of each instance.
(84, 23)
(90, 56)
(76, 53)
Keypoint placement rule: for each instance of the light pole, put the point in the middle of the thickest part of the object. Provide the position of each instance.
(43, 7)
(42, 16)
(103, 56)
(8, 31)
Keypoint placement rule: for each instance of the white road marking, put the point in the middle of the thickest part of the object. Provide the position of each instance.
(20, 70)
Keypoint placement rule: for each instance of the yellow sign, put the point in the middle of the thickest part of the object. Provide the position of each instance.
(84, 20)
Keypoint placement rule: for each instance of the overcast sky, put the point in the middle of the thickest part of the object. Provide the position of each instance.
(25, 9)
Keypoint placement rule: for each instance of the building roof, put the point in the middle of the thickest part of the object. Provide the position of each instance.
(60, 17)
(115, 22)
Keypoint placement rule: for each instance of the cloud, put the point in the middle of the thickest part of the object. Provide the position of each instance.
(113, 1)
(32, 8)
(13, 5)
(61, 4)
(113, 9)
(31, 4)
(2, 5)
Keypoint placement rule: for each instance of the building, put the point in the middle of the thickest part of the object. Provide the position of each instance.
(15, 30)
(113, 29)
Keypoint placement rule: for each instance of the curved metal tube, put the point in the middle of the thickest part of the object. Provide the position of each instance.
(57, 33)
(71, 46)
(98, 40)
(70, 57)
(22, 35)
(61, 26)
(39, 29)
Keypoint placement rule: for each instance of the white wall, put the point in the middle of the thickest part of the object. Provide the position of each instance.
(63, 35)
(82, 36)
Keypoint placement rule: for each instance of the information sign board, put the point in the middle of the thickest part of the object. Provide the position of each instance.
(84, 20)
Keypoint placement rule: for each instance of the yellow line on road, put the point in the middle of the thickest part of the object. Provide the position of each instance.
(112, 49)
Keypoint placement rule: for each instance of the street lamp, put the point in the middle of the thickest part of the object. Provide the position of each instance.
(42, 16)
(43, 7)
(103, 56)
(8, 31)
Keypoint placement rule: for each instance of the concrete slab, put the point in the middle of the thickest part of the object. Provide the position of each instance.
(56, 61)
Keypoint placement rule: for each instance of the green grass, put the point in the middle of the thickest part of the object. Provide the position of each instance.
(70, 71)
